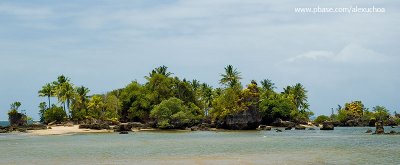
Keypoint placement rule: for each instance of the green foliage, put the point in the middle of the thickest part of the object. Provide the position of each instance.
(55, 113)
(322, 118)
(381, 113)
(397, 121)
(79, 104)
(226, 103)
(173, 113)
(231, 77)
(96, 107)
(47, 91)
(267, 85)
(112, 106)
(135, 106)
(355, 109)
(277, 106)
(42, 110)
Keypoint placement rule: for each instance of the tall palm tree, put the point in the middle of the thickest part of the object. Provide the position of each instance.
(231, 76)
(299, 96)
(207, 96)
(47, 91)
(195, 84)
(81, 98)
(267, 85)
(65, 92)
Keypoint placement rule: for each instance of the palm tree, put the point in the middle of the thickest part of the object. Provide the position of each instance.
(47, 91)
(267, 85)
(299, 96)
(195, 84)
(65, 92)
(231, 76)
(80, 98)
(207, 96)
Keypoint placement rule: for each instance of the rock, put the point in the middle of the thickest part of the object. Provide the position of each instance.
(392, 132)
(288, 128)
(124, 132)
(278, 130)
(135, 124)
(379, 128)
(204, 127)
(247, 119)
(368, 131)
(194, 128)
(123, 127)
(327, 126)
(280, 123)
(300, 127)
(264, 127)
(36, 127)
(311, 128)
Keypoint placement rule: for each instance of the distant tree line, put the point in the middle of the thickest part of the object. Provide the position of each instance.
(171, 102)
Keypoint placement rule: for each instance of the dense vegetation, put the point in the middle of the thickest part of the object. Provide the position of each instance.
(167, 101)
(355, 114)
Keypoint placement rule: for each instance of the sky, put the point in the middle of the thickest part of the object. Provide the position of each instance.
(104, 45)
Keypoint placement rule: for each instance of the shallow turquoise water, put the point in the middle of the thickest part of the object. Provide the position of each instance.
(341, 146)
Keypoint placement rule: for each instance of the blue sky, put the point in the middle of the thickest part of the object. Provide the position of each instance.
(104, 45)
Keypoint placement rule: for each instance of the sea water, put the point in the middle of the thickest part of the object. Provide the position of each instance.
(340, 146)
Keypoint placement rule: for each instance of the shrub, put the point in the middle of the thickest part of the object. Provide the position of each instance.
(322, 118)
(55, 113)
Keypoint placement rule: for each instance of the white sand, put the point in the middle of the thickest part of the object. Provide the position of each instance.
(62, 130)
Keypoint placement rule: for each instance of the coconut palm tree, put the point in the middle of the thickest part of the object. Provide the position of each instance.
(267, 85)
(80, 99)
(231, 77)
(206, 97)
(47, 91)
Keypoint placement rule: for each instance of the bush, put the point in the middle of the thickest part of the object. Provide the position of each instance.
(322, 118)
(55, 113)
(172, 113)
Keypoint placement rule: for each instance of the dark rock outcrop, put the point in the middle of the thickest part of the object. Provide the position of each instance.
(368, 131)
(264, 127)
(124, 132)
(299, 127)
(248, 119)
(327, 126)
(379, 128)
(280, 123)
(278, 130)
(288, 128)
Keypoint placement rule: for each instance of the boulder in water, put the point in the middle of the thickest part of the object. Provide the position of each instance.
(379, 128)
(280, 123)
(124, 132)
(300, 127)
(327, 126)
(264, 127)
(368, 131)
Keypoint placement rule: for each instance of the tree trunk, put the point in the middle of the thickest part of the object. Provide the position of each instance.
(48, 97)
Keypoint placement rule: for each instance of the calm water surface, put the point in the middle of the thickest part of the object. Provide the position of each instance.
(341, 146)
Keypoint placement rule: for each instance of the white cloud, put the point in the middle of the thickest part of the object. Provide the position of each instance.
(352, 53)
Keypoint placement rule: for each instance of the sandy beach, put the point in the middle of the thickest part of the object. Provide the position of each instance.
(62, 130)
